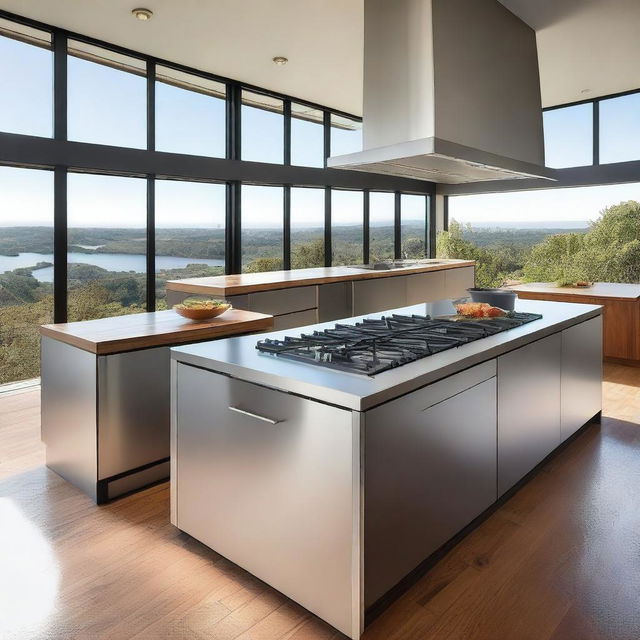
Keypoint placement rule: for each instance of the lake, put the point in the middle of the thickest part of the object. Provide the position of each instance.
(110, 261)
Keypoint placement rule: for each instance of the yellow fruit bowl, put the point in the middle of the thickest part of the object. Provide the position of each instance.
(201, 310)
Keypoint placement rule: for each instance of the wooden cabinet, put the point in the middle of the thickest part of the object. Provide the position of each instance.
(621, 313)
(528, 408)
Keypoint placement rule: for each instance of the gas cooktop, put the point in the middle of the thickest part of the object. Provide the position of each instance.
(375, 345)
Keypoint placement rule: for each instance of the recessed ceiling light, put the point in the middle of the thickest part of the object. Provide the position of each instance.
(281, 60)
(142, 14)
(586, 91)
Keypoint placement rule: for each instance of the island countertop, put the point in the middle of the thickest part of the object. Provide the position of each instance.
(238, 357)
(242, 283)
(106, 336)
(605, 290)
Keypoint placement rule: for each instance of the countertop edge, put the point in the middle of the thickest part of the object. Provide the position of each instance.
(137, 343)
(362, 403)
(232, 290)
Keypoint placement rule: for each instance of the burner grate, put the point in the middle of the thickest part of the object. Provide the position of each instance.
(375, 345)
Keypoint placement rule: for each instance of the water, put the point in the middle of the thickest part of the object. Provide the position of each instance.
(111, 261)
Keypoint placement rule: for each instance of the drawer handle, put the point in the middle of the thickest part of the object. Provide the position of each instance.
(254, 415)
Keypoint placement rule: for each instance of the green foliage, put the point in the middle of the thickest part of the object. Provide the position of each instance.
(608, 252)
(492, 266)
(308, 254)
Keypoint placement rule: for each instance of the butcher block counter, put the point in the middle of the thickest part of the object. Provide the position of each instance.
(305, 296)
(621, 316)
(106, 394)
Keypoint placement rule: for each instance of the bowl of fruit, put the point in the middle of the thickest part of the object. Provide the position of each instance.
(201, 309)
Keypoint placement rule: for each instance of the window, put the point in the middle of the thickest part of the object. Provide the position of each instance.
(107, 97)
(568, 136)
(262, 128)
(26, 269)
(106, 245)
(262, 228)
(381, 226)
(190, 231)
(307, 136)
(347, 218)
(620, 129)
(346, 135)
(413, 226)
(554, 235)
(307, 228)
(190, 114)
(26, 69)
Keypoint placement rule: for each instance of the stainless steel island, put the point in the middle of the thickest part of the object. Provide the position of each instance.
(333, 487)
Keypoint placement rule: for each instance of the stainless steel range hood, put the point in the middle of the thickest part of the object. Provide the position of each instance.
(451, 93)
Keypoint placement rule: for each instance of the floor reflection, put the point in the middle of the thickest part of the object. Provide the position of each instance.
(29, 575)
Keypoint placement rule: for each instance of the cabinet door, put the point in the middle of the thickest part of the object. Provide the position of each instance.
(581, 388)
(425, 287)
(458, 280)
(428, 473)
(528, 408)
(378, 294)
(276, 499)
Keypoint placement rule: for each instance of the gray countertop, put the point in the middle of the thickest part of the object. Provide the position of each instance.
(238, 357)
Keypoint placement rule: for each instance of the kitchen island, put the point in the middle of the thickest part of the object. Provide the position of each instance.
(105, 395)
(299, 297)
(334, 486)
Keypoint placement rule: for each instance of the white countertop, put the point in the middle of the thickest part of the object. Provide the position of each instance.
(239, 358)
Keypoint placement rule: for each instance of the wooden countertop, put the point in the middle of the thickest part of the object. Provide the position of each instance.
(611, 290)
(269, 280)
(142, 330)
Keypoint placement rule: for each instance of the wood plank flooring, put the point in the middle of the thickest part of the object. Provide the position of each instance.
(559, 561)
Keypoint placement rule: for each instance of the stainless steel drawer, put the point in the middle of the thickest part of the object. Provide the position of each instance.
(283, 300)
(292, 320)
(265, 478)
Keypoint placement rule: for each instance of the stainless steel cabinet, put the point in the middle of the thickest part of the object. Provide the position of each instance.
(528, 408)
(457, 281)
(430, 469)
(267, 479)
(425, 287)
(581, 384)
(378, 294)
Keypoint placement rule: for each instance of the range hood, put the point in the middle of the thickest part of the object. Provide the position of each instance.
(451, 93)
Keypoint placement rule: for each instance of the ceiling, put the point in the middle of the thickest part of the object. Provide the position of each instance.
(586, 48)
(233, 38)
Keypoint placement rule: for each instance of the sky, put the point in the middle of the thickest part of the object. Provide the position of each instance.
(108, 106)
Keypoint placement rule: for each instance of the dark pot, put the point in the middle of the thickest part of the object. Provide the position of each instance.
(502, 298)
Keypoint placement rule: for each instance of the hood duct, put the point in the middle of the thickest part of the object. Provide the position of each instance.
(451, 93)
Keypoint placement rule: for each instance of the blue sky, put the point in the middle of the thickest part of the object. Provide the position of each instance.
(108, 106)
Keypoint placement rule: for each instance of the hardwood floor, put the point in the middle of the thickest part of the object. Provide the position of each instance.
(559, 561)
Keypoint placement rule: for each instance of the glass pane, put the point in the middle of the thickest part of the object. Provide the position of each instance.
(381, 226)
(190, 114)
(413, 225)
(568, 136)
(190, 223)
(620, 129)
(26, 269)
(107, 97)
(262, 128)
(26, 69)
(307, 136)
(307, 228)
(106, 245)
(346, 135)
(262, 228)
(347, 218)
